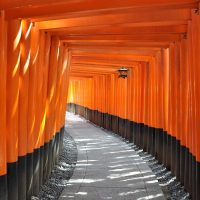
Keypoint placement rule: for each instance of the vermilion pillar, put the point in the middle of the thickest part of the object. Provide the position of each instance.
(3, 66)
(59, 86)
(51, 88)
(34, 53)
(40, 122)
(65, 84)
(13, 69)
(23, 105)
(45, 84)
(51, 97)
(63, 81)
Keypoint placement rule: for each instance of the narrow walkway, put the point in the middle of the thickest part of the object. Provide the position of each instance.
(107, 167)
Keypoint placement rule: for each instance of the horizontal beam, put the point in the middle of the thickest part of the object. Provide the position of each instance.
(110, 62)
(128, 29)
(81, 74)
(133, 51)
(107, 56)
(139, 16)
(135, 37)
(113, 49)
(44, 9)
(95, 70)
(97, 65)
(117, 44)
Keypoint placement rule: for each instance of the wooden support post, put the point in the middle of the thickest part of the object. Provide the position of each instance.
(34, 50)
(13, 69)
(51, 94)
(23, 106)
(3, 65)
(45, 84)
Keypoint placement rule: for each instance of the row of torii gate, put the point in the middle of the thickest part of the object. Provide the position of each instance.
(51, 51)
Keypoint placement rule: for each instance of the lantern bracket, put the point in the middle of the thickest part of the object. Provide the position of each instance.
(123, 72)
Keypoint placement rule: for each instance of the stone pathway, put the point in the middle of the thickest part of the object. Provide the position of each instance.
(107, 167)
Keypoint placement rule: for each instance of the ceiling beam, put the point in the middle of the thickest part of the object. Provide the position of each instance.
(148, 16)
(42, 9)
(117, 44)
(110, 62)
(128, 29)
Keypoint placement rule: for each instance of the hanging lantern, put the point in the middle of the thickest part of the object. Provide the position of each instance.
(123, 72)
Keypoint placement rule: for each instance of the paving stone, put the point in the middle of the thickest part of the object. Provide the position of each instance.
(107, 167)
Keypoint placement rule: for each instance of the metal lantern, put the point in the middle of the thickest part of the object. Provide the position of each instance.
(123, 72)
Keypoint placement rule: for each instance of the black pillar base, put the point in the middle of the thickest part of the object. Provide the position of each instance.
(178, 159)
(29, 176)
(3, 187)
(159, 144)
(50, 157)
(45, 162)
(41, 165)
(22, 178)
(197, 180)
(182, 163)
(36, 172)
(12, 178)
(193, 192)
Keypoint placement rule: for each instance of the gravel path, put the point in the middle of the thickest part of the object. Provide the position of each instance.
(62, 171)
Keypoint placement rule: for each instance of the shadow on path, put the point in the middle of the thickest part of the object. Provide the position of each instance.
(107, 167)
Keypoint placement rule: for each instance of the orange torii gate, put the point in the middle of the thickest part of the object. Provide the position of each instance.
(47, 47)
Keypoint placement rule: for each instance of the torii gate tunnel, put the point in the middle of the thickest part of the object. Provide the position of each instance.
(59, 52)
